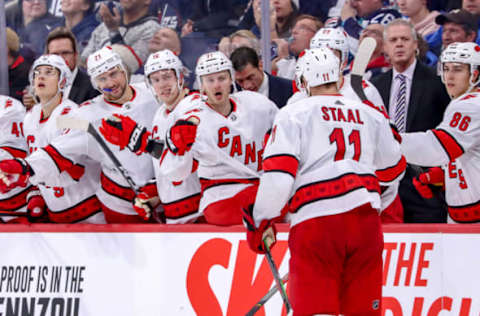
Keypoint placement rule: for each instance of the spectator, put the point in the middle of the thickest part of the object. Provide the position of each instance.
(457, 26)
(18, 68)
(61, 41)
(303, 30)
(418, 13)
(170, 13)
(412, 108)
(209, 17)
(33, 24)
(355, 15)
(249, 75)
(472, 6)
(282, 17)
(134, 27)
(80, 19)
(378, 63)
(240, 38)
(165, 38)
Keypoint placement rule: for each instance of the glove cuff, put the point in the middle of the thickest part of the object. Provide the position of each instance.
(33, 193)
(137, 138)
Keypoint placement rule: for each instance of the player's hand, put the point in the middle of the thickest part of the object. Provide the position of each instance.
(36, 207)
(14, 173)
(257, 237)
(422, 182)
(146, 201)
(124, 132)
(181, 136)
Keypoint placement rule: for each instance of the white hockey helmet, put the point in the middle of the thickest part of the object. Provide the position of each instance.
(334, 38)
(58, 63)
(317, 66)
(464, 53)
(101, 61)
(161, 60)
(213, 62)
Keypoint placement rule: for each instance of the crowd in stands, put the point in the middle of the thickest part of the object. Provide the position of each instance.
(410, 36)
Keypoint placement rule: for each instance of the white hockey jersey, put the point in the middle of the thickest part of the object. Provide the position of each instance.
(69, 188)
(73, 146)
(454, 145)
(180, 200)
(12, 145)
(372, 94)
(327, 155)
(228, 149)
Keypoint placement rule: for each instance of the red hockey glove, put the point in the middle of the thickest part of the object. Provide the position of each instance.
(124, 132)
(36, 207)
(433, 176)
(146, 201)
(181, 136)
(14, 173)
(256, 236)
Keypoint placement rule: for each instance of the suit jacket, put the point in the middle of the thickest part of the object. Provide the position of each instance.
(427, 103)
(279, 90)
(82, 89)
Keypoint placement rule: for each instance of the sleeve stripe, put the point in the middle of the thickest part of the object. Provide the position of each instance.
(76, 171)
(15, 152)
(391, 173)
(281, 163)
(449, 143)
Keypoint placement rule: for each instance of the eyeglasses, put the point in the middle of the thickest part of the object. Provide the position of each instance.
(47, 72)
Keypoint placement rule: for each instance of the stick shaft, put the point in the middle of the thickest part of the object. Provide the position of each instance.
(276, 277)
(266, 297)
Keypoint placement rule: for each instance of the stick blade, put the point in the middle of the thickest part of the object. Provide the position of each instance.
(72, 123)
(364, 52)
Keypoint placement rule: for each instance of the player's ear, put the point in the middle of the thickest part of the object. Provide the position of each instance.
(63, 83)
(476, 73)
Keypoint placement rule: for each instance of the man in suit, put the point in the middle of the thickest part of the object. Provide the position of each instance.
(249, 75)
(61, 41)
(416, 100)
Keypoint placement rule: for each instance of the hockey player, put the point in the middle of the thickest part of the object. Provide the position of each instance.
(328, 155)
(337, 40)
(164, 74)
(453, 148)
(222, 133)
(69, 194)
(108, 75)
(13, 145)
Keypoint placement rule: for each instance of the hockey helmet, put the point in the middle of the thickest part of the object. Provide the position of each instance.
(465, 53)
(101, 61)
(213, 62)
(58, 63)
(317, 66)
(334, 38)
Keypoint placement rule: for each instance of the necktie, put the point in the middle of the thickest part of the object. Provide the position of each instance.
(400, 104)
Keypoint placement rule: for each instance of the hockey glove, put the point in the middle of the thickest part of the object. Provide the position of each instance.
(433, 176)
(146, 200)
(14, 173)
(124, 132)
(36, 207)
(256, 237)
(181, 136)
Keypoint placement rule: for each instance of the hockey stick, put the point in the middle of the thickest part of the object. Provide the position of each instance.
(364, 53)
(266, 297)
(84, 125)
(275, 273)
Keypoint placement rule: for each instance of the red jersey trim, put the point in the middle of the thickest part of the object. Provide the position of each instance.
(332, 188)
(391, 173)
(119, 191)
(183, 207)
(15, 152)
(449, 143)
(281, 163)
(379, 109)
(16, 201)
(208, 183)
(469, 213)
(79, 212)
(76, 171)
